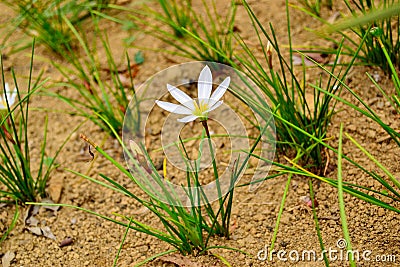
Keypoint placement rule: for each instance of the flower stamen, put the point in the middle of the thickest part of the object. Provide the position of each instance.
(200, 109)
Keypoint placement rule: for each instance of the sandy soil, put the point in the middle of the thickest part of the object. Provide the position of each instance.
(96, 241)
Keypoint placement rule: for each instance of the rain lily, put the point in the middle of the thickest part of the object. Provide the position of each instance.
(10, 97)
(200, 107)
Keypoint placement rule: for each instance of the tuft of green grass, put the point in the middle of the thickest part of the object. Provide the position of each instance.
(18, 180)
(43, 21)
(19, 183)
(296, 101)
(187, 228)
(390, 192)
(177, 15)
(365, 15)
(103, 89)
(314, 6)
(194, 36)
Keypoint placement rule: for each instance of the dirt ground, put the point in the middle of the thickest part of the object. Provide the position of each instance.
(96, 241)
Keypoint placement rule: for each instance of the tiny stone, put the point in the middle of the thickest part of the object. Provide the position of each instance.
(371, 134)
(381, 212)
(351, 128)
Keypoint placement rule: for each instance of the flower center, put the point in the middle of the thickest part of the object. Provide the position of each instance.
(3, 103)
(200, 109)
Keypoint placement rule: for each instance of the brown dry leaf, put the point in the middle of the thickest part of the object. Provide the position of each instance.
(55, 188)
(49, 201)
(297, 61)
(30, 211)
(47, 233)
(7, 259)
(179, 260)
(32, 221)
(35, 230)
(27, 214)
(319, 58)
(42, 231)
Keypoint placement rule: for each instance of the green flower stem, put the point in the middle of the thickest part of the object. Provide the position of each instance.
(221, 202)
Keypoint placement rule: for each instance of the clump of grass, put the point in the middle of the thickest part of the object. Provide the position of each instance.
(103, 90)
(176, 15)
(390, 39)
(19, 183)
(366, 15)
(187, 227)
(314, 6)
(202, 38)
(297, 102)
(57, 24)
(43, 21)
(389, 182)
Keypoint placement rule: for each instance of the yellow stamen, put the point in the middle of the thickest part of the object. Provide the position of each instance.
(200, 109)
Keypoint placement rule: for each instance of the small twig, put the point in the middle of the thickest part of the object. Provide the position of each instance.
(91, 153)
(87, 140)
(327, 161)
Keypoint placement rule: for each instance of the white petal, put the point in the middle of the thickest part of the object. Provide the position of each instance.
(181, 97)
(11, 98)
(178, 109)
(220, 91)
(204, 84)
(188, 118)
(9, 94)
(215, 105)
(3, 104)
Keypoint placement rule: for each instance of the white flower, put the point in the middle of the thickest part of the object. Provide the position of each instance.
(10, 97)
(200, 107)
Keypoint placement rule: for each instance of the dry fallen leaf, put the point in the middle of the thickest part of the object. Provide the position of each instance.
(47, 233)
(49, 201)
(42, 231)
(7, 259)
(30, 212)
(35, 230)
(32, 221)
(319, 58)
